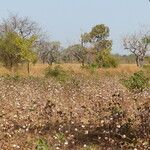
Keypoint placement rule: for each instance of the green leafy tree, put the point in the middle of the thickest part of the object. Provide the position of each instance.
(101, 46)
(99, 33)
(27, 53)
(9, 51)
(14, 49)
(20, 36)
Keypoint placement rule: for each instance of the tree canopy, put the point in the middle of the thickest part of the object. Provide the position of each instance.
(14, 49)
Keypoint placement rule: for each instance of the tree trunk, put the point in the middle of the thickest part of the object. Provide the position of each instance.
(28, 67)
(50, 63)
(137, 61)
(82, 62)
(11, 65)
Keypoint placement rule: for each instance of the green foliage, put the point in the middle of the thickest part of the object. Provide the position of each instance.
(9, 50)
(105, 60)
(56, 72)
(102, 46)
(99, 32)
(138, 81)
(14, 78)
(41, 145)
(14, 49)
(26, 45)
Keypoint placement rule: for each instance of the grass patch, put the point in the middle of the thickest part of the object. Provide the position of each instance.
(41, 145)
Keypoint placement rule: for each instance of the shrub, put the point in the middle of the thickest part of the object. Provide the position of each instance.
(41, 145)
(138, 81)
(113, 62)
(106, 60)
(56, 72)
(12, 77)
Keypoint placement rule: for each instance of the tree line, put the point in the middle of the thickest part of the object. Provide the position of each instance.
(22, 41)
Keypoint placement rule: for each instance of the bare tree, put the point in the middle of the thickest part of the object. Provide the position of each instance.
(76, 52)
(137, 44)
(49, 51)
(20, 25)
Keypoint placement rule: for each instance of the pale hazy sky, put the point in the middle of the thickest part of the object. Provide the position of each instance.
(64, 20)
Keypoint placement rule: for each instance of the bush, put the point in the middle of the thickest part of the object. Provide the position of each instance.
(41, 145)
(113, 62)
(12, 77)
(106, 60)
(138, 81)
(56, 72)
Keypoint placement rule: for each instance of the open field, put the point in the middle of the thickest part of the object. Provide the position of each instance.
(83, 113)
(72, 77)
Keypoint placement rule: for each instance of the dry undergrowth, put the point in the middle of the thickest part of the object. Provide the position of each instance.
(38, 69)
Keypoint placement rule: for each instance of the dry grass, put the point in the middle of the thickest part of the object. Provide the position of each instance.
(37, 70)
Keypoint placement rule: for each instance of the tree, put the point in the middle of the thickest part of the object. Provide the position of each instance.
(27, 53)
(9, 50)
(23, 26)
(49, 52)
(26, 31)
(14, 49)
(137, 44)
(99, 33)
(77, 52)
(100, 44)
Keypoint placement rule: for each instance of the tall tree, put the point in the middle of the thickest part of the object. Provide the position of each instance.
(99, 41)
